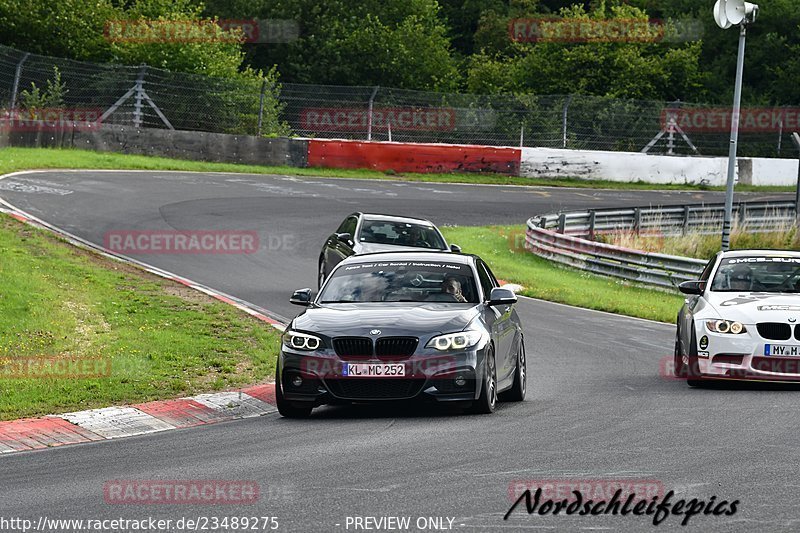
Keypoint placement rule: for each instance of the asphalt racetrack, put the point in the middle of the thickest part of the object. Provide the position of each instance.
(598, 411)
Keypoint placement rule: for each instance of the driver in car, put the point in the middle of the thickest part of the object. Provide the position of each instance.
(740, 278)
(452, 287)
(415, 238)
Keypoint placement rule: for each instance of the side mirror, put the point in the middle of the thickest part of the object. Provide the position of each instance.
(501, 296)
(301, 297)
(345, 238)
(692, 287)
(455, 248)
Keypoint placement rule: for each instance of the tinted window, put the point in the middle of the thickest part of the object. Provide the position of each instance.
(401, 281)
(348, 226)
(400, 234)
(707, 270)
(487, 279)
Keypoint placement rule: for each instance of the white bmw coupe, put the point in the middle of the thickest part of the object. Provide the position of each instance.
(741, 319)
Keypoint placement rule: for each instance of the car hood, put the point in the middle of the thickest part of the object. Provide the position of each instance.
(754, 307)
(372, 247)
(397, 318)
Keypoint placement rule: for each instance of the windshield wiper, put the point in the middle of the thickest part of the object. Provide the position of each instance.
(340, 302)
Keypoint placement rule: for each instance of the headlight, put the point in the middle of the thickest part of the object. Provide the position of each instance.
(455, 341)
(300, 341)
(725, 326)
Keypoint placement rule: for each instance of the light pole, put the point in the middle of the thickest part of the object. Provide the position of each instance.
(728, 13)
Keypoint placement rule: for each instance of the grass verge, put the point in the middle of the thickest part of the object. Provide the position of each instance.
(14, 159)
(541, 279)
(153, 338)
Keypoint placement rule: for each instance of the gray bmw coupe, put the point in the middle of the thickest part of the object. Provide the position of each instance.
(403, 326)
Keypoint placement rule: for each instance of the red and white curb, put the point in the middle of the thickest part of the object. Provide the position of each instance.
(115, 422)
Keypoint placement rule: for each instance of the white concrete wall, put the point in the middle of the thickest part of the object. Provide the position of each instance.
(634, 166)
(770, 172)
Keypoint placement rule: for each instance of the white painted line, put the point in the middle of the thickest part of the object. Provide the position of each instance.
(116, 422)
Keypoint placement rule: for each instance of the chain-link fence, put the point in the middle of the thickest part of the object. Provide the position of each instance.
(150, 97)
(142, 96)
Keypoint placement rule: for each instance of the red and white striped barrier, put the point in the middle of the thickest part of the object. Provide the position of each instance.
(413, 157)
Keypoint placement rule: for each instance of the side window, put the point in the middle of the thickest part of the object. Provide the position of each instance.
(707, 270)
(348, 226)
(487, 280)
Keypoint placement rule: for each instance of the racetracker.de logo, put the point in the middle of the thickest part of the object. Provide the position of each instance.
(589, 489)
(55, 367)
(573, 30)
(181, 242)
(666, 368)
(51, 119)
(202, 31)
(397, 118)
(443, 367)
(718, 119)
(180, 491)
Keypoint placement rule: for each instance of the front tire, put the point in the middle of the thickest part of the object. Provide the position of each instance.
(693, 370)
(517, 391)
(286, 408)
(487, 402)
(679, 367)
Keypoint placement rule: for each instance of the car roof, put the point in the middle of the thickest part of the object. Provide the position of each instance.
(462, 259)
(768, 253)
(395, 218)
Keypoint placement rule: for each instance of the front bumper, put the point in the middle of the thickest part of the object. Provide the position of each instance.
(746, 357)
(427, 377)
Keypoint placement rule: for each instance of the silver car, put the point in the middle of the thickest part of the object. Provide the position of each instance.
(364, 233)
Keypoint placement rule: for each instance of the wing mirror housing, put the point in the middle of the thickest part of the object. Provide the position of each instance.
(455, 248)
(301, 297)
(692, 287)
(501, 296)
(345, 238)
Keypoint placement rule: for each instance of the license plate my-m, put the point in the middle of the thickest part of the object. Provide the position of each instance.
(782, 350)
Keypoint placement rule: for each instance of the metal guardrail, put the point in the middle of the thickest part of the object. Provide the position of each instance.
(567, 237)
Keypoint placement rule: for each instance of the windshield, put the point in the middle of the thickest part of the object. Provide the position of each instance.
(758, 273)
(401, 281)
(400, 234)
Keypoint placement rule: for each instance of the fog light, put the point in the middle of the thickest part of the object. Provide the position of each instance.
(297, 381)
(460, 381)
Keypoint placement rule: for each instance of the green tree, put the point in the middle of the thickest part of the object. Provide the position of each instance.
(401, 43)
(52, 97)
(635, 69)
(64, 28)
